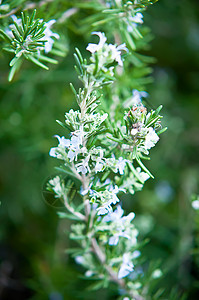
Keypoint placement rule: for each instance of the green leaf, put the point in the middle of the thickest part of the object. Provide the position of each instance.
(130, 41)
(133, 170)
(143, 167)
(161, 130)
(5, 36)
(14, 69)
(14, 60)
(69, 216)
(66, 171)
(66, 126)
(48, 59)
(33, 16)
(37, 62)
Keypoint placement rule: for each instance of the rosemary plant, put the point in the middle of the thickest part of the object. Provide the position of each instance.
(101, 153)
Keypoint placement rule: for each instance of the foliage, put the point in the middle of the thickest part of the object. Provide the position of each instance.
(29, 105)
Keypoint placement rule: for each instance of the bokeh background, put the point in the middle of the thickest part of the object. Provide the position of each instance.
(33, 261)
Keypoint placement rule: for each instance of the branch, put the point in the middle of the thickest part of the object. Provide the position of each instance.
(102, 258)
(72, 211)
(27, 6)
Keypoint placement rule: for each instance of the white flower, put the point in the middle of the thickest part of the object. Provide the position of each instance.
(107, 52)
(195, 204)
(136, 254)
(75, 142)
(107, 198)
(114, 216)
(137, 96)
(100, 163)
(83, 167)
(126, 267)
(56, 186)
(144, 176)
(136, 99)
(80, 259)
(151, 138)
(116, 165)
(121, 165)
(59, 151)
(63, 141)
(104, 209)
(120, 225)
(116, 52)
(96, 47)
(89, 273)
(156, 274)
(137, 18)
(133, 21)
(48, 36)
(114, 191)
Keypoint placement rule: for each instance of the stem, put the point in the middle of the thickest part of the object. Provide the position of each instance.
(72, 211)
(102, 258)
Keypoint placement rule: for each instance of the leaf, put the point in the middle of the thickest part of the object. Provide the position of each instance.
(63, 215)
(161, 130)
(71, 174)
(133, 170)
(130, 40)
(48, 59)
(66, 126)
(143, 167)
(33, 16)
(5, 36)
(14, 69)
(37, 62)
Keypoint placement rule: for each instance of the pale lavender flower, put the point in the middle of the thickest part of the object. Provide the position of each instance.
(116, 52)
(57, 151)
(195, 204)
(48, 36)
(126, 267)
(83, 167)
(137, 18)
(120, 224)
(151, 138)
(136, 254)
(111, 52)
(121, 165)
(114, 216)
(137, 96)
(100, 163)
(96, 47)
(133, 21)
(80, 259)
(56, 186)
(63, 141)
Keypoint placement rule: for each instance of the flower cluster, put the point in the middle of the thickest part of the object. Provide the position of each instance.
(120, 226)
(141, 128)
(104, 54)
(105, 199)
(104, 166)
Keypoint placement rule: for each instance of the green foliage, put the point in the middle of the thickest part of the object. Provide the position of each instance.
(32, 239)
(26, 38)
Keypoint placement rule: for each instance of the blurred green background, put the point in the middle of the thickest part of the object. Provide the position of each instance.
(33, 262)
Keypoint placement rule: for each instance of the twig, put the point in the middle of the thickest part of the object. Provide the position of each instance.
(70, 209)
(102, 258)
(68, 13)
(29, 5)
